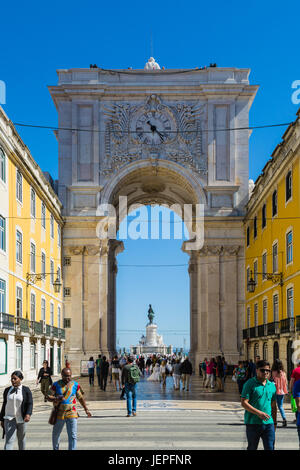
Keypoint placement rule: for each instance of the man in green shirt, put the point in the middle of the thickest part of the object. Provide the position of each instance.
(259, 400)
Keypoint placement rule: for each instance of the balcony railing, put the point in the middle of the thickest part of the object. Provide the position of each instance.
(273, 328)
(287, 325)
(22, 325)
(36, 327)
(7, 321)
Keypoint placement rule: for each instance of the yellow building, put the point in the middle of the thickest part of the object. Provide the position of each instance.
(31, 325)
(272, 228)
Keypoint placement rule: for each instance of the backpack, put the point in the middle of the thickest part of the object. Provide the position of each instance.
(133, 374)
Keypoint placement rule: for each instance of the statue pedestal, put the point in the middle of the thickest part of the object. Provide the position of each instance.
(151, 335)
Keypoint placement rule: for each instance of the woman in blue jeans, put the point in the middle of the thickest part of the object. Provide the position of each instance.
(279, 378)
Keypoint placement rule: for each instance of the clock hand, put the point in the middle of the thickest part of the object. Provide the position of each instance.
(154, 129)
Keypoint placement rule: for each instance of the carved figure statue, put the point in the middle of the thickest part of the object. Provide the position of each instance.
(151, 65)
(150, 315)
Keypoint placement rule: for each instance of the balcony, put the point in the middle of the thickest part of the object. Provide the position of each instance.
(287, 325)
(22, 325)
(273, 328)
(61, 333)
(7, 322)
(36, 328)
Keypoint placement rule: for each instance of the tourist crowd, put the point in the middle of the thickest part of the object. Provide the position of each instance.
(262, 390)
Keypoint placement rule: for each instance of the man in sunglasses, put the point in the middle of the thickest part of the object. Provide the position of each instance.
(259, 400)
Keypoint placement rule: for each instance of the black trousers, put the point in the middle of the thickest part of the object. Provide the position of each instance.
(103, 381)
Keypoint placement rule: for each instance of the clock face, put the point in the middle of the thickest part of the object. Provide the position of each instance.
(154, 127)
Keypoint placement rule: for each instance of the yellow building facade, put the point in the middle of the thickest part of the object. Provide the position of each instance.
(272, 257)
(31, 294)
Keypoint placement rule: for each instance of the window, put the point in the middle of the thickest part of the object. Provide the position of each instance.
(264, 216)
(43, 215)
(32, 257)
(67, 291)
(2, 296)
(288, 186)
(51, 226)
(265, 311)
(264, 265)
(19, 355)
(255, 314)
(19, 247)
(67, 323)
(19, 297)
(19, 186)
(67, 261)
(275, 308)
(289, 247)
(32, 306)
(52, 272)
(290, 303)
(265, 351)
(51, 314)
(32, 202)
(248, 236)
(58, 316)
(58, 273)
(2, 233)
(255, 271)
(274, 203)
(275, 257)
(255, 227)
(2, 166)
(43, 309)
(43, 262)
(248, 317)
(3, 356)
(32, 355)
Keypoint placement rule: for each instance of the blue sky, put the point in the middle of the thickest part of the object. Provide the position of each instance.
(38, 38)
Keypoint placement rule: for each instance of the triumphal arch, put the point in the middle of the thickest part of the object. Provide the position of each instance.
(153, 136)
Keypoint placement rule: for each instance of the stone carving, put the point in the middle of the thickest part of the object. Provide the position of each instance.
(167, 131)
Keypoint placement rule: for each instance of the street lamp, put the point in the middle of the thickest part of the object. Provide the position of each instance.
(278, 277)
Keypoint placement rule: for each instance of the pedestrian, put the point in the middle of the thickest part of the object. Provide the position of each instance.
(98, 369)
(44, 378)
(163, 372)
(296, 395)
(240, 374)
(279, 377)
(186, 371)
(259, 401)
(295, 376)
(142, 364)
(225, 367)
(104, 373)
(115, 370)
(63, 394)
(16, 411)
(91, 370)
(209, 374)
(130, 377)
(220, 374)
(176, 374)
(203, 368)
